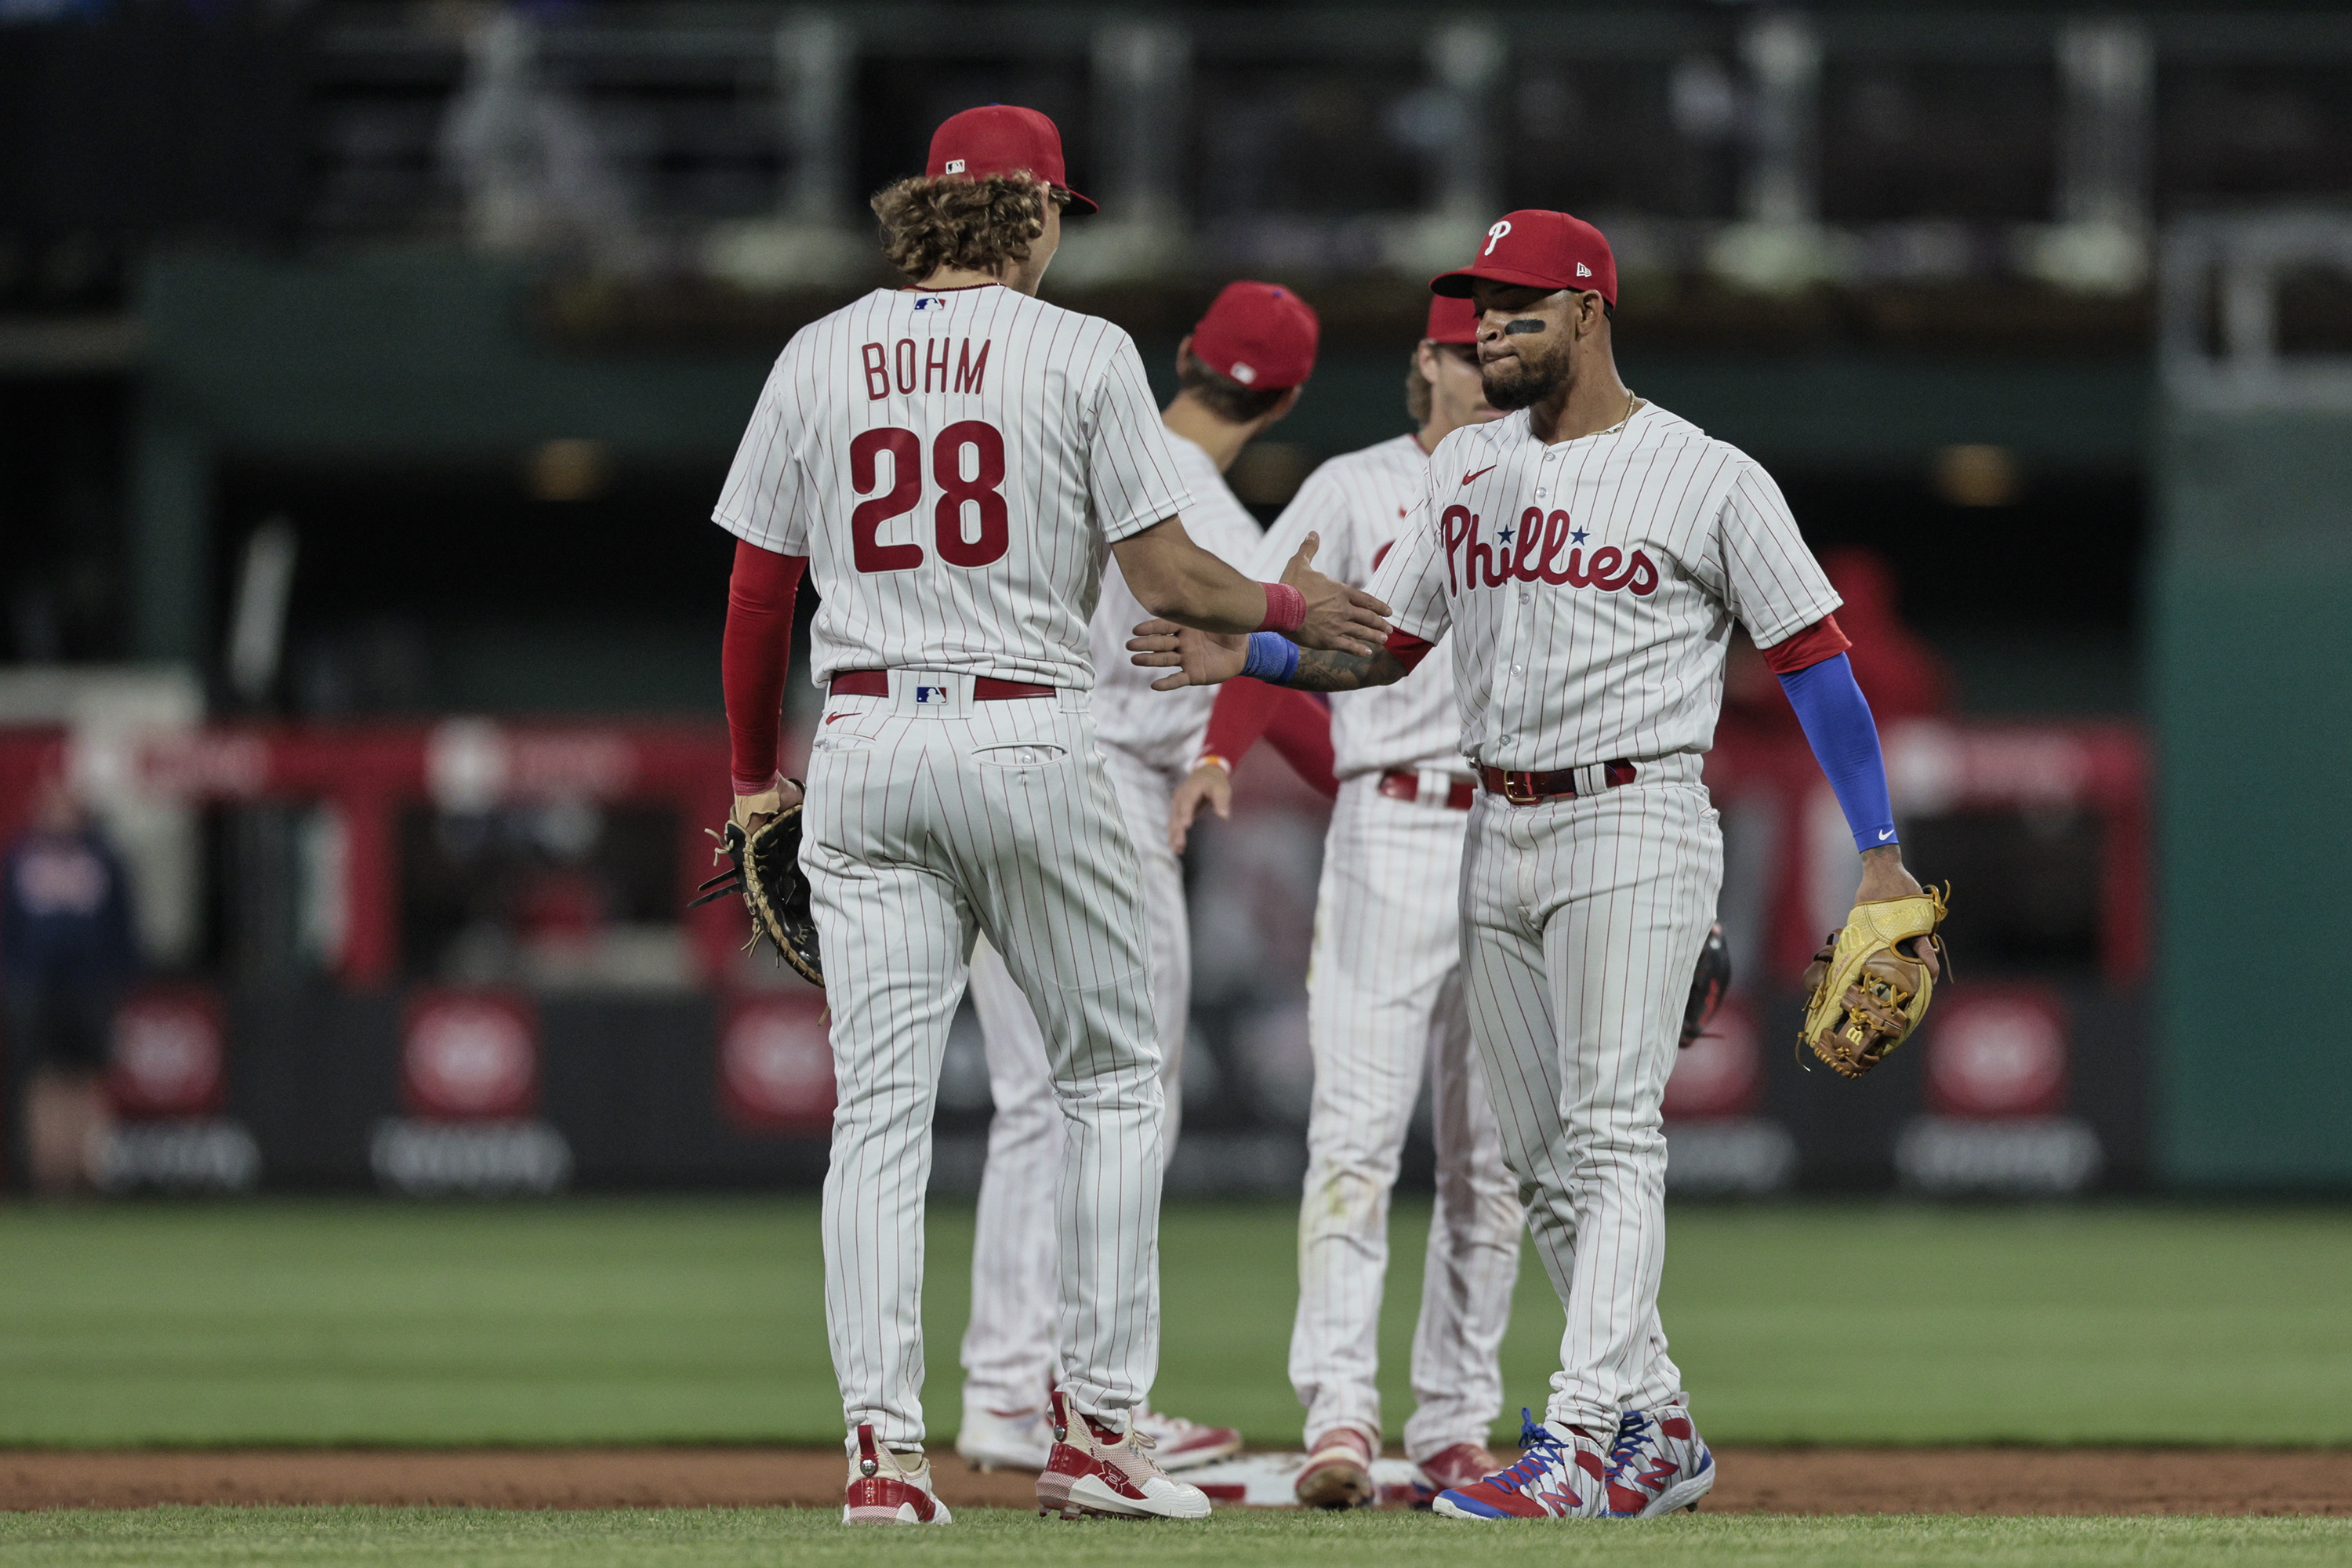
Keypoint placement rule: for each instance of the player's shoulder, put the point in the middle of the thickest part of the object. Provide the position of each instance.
(1380, 463)
(1480, 445)
(1657, 429)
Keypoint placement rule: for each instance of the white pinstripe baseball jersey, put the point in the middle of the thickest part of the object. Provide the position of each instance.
(1163, 727)
(1360, 502)
(1591, 585)
(953, 463)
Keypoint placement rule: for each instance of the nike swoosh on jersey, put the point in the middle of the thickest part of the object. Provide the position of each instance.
(1487, 469)
(831, 717)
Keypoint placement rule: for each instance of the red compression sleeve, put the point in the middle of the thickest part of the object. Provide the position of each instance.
(1820, 641)
(1244, 709)
(1409, 649)
(753, 657)
(1301, 732)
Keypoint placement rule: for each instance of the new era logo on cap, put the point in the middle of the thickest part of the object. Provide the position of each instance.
(1533, 248)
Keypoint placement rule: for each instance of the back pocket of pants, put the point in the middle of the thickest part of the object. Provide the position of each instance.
(1019, 755)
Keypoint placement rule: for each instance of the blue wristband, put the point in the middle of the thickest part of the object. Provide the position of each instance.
(1273, 658)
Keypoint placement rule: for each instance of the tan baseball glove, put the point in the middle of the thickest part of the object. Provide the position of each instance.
(764, 866)
(1868, 994)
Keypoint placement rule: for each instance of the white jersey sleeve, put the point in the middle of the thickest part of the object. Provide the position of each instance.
(1360, 505)
(1132, 471)
(764, 500)
(1412, 580)
(1757, 563)
(1163, 727)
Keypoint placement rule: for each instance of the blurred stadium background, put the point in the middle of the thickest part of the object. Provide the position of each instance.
(367, 371)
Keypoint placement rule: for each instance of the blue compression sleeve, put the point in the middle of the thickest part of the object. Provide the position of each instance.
(1272, 658)
(1836, 717)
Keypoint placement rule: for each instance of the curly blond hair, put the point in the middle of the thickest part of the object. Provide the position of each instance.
(979, 225)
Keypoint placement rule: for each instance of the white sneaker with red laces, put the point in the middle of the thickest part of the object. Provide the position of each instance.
(887, 1487)
(1181, 1445)
(1094, 1471)
(1658, 1464)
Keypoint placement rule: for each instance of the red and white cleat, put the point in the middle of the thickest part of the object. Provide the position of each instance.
(1457, 1466)
(1659, 1464)
(1181, 1445)
(1561, 1474)
(1339, 1472)
(1094, 1471)
(883, 1490)
(1004, 1440)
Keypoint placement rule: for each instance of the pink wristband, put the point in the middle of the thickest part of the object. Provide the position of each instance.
(1285, 608)
(775, 781)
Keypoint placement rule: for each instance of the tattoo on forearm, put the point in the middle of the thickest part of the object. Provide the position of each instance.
(1322, 670)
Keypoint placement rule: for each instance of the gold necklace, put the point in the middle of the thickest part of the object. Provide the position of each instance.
(1632, 404)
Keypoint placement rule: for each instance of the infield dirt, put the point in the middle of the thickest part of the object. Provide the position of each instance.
(1755, 1480)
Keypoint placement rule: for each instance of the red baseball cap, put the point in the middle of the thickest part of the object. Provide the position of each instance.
(1538, 250)
(1002, 138)
(1453, 319)
(1259, 334)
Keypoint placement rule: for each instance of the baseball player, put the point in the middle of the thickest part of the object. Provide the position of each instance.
(1590, 553)
(950, 462)
(1384, 996)
(1239, 371)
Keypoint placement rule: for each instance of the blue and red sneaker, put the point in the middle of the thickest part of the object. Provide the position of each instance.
(1658, 1464)
(1561, 1474)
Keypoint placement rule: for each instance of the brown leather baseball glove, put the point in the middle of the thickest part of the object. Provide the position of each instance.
(1868, 992)
(764, 866)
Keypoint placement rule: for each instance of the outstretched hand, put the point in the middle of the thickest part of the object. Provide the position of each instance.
(1208, 784)
(1194, 658)
(1338, 619)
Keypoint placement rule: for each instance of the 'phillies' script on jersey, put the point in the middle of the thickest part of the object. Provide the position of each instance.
(1590, 585)
(953, 463)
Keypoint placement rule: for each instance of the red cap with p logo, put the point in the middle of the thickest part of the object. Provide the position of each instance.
(1002, 138)
(1533, 248)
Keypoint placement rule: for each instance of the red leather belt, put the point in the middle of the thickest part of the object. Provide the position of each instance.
(984, 689)
(1530, 789)
(1397, 783)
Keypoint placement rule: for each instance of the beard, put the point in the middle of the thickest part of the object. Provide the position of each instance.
(1514, 384)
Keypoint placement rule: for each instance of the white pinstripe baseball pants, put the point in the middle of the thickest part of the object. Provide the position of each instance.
(1383, 1001)
(932, 819)
(1008, 1345)
(1582, 921)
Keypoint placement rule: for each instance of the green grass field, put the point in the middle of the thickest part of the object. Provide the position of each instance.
(701, 1320)
(741, 1538)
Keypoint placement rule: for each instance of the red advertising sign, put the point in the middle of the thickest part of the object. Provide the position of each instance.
(1997, 1051)
(1721, 1073)
(469, 1055)
(775, 1065)
(170, 1056)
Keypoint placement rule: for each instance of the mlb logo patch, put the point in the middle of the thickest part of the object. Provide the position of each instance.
(930, 694)
(954, 166)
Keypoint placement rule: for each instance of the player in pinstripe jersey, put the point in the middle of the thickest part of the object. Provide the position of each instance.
(1384, 997)
(1239, 371)
(1589, 555)
(948, 462)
